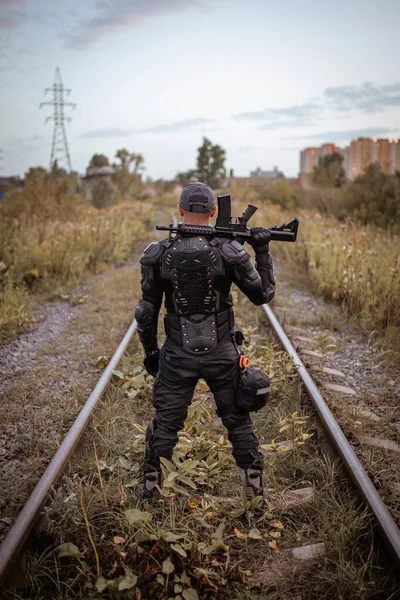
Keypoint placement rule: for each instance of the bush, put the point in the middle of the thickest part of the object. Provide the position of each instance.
(103, 194)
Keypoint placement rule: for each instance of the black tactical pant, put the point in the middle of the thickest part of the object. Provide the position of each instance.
(173, 390)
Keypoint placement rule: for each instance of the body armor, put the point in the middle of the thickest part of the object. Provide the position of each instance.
(192, 265)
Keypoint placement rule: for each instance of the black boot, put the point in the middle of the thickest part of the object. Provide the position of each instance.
(252, 482)
(148, 489)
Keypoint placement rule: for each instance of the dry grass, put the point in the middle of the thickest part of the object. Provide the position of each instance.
(192, 546)
(51, 250)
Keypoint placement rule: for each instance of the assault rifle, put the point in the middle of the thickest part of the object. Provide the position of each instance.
(234, 227)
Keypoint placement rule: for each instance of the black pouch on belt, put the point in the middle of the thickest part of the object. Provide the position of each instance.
(253, 390)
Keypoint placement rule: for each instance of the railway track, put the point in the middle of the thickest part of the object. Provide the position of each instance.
(12, 546)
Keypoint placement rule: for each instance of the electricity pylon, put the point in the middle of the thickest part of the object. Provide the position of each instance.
(59, 145)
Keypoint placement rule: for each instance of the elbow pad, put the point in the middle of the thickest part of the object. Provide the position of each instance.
(147, 320)
(236, 256)
(150, 258)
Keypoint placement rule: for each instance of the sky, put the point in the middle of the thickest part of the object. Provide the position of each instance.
(262, 78)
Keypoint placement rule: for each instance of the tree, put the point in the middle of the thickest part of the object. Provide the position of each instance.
(99, 160)
(374, 198)
(329, 172)
(131, 158)
(57, 171)
(128, 172)
(184, 177)
(35, 173)
(210, 163)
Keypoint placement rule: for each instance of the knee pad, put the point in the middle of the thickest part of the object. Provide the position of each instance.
(159, 442)
(245, 446)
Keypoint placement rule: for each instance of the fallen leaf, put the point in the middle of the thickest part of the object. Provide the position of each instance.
(240, 534)
(69, 550)
(127, 583)
(168, 567)
(272, 544)
(101, 584)
(190, 594)
(179, 550)
(275, 534)
(255, 534)
(118, 540)
(134, 515)
(191, 503)
(277, 525)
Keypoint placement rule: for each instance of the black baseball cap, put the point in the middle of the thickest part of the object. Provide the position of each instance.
(197, 197)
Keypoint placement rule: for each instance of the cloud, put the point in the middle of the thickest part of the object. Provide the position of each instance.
(365, 98)
(107, 133)
(346, 134)
(113, 15)
(368, 97)
(11, 17)
(176, 127)
(300, 115)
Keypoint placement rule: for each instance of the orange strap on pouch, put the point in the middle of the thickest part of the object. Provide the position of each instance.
(243, 362)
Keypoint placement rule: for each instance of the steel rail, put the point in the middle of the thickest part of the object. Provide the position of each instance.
(387, 525)
(19, 532)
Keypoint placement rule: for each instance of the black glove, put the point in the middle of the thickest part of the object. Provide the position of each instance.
(260, 239)
(151, 362)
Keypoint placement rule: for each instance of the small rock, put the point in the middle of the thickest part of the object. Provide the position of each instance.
(340, 388)
(328, 371)
(367, 414)
(308, 552)
(301, 338)
(312, 353)
(380, 443)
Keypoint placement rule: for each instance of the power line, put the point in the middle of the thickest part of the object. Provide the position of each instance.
(59, 145)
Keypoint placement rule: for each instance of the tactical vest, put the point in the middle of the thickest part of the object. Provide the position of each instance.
(192, 264)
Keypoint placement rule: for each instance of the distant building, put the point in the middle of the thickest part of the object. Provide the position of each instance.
(357, 156)
(94, 175)
(308, 160)
(395, 156)
(265, 174)
(310, 157)
(365, 151)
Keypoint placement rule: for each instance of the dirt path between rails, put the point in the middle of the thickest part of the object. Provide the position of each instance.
(368, 412)
(48, 373)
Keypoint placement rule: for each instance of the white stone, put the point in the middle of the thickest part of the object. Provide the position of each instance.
(367, 414)
(312, 353)
(380, 443)
(306, 492)
(328, 371)
(340, 388)
(301, 338)
(308, 552)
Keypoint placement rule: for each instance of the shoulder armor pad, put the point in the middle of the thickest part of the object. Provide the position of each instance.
(152, 253)
(233, 251)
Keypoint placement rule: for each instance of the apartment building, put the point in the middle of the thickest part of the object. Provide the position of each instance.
(356, 156)
(309, 157)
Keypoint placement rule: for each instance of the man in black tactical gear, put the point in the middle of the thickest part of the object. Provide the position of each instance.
(195, 274)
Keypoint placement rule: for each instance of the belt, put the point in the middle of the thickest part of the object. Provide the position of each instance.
(201, 333)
